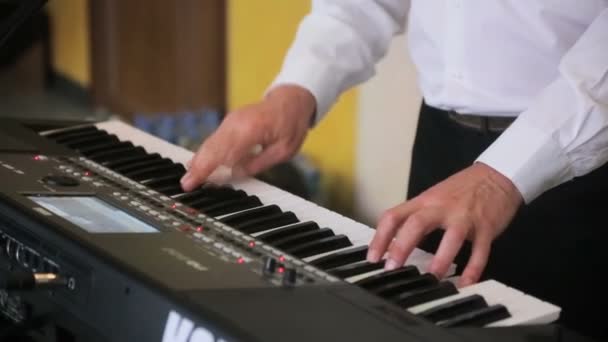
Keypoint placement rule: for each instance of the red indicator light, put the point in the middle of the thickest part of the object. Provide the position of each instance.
(174, 206)
(200, 229)
(281, 258)
(87, 173)
(240, 260)
(281, 269)
(251, 244)
(37, 157)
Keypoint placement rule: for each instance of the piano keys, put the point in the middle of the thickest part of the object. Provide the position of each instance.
(325, 239)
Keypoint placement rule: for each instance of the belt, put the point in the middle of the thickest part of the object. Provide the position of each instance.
(482, 123)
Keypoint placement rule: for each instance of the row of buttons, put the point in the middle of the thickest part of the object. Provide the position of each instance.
(84, 176)
(180, 218)
(223, 248)
(89, 164)
(12, 168)
(196, 220)
(191, 221)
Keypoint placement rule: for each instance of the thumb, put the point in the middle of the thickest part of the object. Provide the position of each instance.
(264, 160)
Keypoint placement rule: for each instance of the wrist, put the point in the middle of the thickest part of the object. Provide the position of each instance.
(503, 183)
(293, 98)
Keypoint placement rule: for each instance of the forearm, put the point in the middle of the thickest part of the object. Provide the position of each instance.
(338, 44)
(564, 133)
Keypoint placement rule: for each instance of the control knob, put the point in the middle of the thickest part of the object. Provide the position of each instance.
(58, 180)
(270, 265)
(289, 277)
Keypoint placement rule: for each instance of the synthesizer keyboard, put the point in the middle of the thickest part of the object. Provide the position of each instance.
(525, 309)
(223, 252)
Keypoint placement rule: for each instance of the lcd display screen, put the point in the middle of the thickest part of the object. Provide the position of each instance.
(93, 214)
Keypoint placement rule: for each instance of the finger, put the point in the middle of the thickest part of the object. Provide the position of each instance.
(478, 260)
(225, 147)
(201, 166)
(268, 157)
(410, 234)
(451, 243)
(390, 221)
(221, 175)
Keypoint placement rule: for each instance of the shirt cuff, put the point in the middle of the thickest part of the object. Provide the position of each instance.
(529, 157)
(320, 83)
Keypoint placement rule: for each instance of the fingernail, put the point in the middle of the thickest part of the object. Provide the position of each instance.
(464, 281)
(186, 181)
(373, 255)
(390, 265)
(433, 269)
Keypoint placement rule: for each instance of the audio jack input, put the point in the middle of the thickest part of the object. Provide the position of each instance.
(23, 280)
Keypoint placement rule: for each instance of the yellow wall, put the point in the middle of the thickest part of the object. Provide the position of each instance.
(70, 36)
(259, 33)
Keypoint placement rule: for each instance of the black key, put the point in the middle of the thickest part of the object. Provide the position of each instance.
(235, 220)
(324, 245)
(71, 131)
(143, 164)
(232, 206)
(210, 191)
(161, 181)
(204, 201)
(387, 277)
(293, 229)
(135, 155)
(155, 171)
(267, 222)
(113, 153)
(170, 190)
(341, 258)
(94, 151)
(425, 294)
(352, 270)
(394, 288)
(194, 194)
(83, 143)
(478, 318)
(454, 308)
(224, 192)
(71, 138)
(185, 196)
(302, 238)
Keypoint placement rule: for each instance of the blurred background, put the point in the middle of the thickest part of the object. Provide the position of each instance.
(174, 68)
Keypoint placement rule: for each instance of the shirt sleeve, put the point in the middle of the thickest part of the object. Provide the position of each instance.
(338, 44)
(563, 134)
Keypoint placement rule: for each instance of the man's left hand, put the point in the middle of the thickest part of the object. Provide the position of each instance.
(476, 203)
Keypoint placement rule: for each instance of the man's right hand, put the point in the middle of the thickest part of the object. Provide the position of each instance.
(278, 124)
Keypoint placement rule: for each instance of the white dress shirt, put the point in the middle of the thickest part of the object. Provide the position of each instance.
(544, 61)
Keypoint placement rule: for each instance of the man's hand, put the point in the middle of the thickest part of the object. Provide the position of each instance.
(278, 125)
(476, 203)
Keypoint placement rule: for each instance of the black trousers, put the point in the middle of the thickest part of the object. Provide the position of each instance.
(554, 249)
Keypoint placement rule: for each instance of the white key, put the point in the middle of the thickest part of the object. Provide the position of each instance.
(356, 278)
(524, 309)
(277, 228)
(317, 256)
(419, 258)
